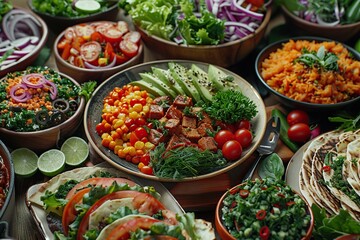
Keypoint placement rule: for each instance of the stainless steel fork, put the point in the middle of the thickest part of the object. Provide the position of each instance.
(267, 144)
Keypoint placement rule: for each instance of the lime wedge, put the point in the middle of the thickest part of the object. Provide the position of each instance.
(76, 151)
(25, 162)
(87, 6)
(51, 162)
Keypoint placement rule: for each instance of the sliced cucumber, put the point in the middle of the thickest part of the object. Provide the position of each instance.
(87, 6)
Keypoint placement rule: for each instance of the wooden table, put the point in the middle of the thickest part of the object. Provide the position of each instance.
(23, 226)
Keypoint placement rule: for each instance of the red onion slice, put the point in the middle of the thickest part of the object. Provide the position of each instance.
(21, 97)
(28, 80)
(53, 89)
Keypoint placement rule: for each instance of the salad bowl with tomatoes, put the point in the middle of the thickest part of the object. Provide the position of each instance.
(95, 51)
(169, 138)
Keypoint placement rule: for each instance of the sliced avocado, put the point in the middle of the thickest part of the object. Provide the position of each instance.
(181, 76)
(150, 88)
(152, 79)
(165, 77)
(220, 79)
(201, 82)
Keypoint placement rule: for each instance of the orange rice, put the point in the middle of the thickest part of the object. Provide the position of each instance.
(300, 82)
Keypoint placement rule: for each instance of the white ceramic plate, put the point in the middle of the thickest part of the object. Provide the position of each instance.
(293, 169)
(39, 214)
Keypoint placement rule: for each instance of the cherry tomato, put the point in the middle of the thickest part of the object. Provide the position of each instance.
(256, 3)
(112, 34)
(123, 27)
(244, 137)
(145, 159)
(120, 57)
(90, 51)
(129, 48)
(297, 116)
(223, 136)
(299, 132)
(140, 121)
(243, 124)
(141, 132)
(147, 170)
(231, 150)
(69, 33)
(84, 30)
(132, 37)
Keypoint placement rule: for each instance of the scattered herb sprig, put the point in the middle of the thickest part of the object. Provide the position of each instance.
(321, 59)
(230, 106)
(347, 122)
(87, 89)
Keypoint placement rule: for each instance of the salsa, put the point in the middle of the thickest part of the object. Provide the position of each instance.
(4, 182)
(36, 99)
(264, 209)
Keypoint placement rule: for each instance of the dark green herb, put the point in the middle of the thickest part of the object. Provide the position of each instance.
(5, 6)
(333, 226)
(184, 162)
(321, 59)
(230, 106)
(347, 122)
(272, 166)
(6, 55)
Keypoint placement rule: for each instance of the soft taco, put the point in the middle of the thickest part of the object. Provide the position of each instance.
(98, 203)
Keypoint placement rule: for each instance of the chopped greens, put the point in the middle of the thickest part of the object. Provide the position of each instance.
(321, 59)
(230, 106)
(184, 161)
(347, 122)
(267, 204)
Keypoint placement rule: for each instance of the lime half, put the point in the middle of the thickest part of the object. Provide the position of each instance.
(87, 6)
(51, 162)
(25, 162)
(76, 151)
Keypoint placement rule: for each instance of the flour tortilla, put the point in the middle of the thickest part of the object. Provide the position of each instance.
(78, 174)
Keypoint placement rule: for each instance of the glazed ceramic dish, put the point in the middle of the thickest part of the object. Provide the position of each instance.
(93, 113)
(290, 102)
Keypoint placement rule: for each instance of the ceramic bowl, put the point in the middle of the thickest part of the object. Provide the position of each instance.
(7, 210)
(93, 113)
(30, 57)
(45, 139)
(339, 32)
(223, 231)
(292, 103)
(96, 74)
(58, 23)
(223, 55)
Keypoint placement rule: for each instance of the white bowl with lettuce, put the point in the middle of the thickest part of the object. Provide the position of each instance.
(220, 34)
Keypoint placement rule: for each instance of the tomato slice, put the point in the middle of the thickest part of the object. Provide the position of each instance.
(123, 27)
(97, 181)
(129, 48)
(109, 50)
(84, 30)
(122, 231)
(79, 62)
(120, 58)
(90, 51)
(147, 204)
(112, 34)
(69, 33)
(115, 195)
(132, 36)
(102, 26)
(69, 213)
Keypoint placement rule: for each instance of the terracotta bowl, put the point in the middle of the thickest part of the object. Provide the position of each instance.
(292, 103)
(59, 23)
(225, 234)
(340, 32)
(29, 58)
(43, 140)
(85, 74)
(8, 209)
(223, 55)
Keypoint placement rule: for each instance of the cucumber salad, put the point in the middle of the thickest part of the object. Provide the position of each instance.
(265, 209)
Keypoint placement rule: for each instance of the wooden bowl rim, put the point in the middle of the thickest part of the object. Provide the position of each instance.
(262, 26)
(126, 64)
(219, 222)
(6, 156)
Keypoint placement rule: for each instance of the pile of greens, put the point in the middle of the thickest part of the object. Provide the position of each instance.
(176, 19)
